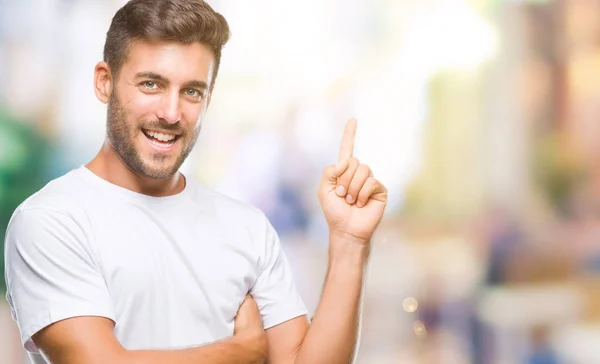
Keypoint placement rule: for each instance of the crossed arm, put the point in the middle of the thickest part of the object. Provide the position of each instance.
(330, 338)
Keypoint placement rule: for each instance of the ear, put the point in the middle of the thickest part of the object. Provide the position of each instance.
(103, 82)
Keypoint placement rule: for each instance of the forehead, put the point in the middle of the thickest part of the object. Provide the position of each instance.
(175, 61)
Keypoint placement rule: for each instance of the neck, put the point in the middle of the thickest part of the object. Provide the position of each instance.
(107, 164)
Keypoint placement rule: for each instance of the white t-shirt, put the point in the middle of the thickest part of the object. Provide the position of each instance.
(171, 272)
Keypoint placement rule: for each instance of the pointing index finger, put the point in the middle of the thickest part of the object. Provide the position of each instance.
(347, 145)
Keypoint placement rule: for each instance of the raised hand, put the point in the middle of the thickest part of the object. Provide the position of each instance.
(352, 200)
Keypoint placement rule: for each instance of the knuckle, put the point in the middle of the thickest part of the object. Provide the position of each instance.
(365, 169)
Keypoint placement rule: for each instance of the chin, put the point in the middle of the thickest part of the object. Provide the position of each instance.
(149, 168)
(159, 173)
(156, 165)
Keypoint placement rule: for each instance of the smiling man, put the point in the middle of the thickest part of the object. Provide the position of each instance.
(125, 260)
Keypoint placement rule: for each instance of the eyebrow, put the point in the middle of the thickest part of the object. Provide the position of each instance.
(163, 79)
(196, 84)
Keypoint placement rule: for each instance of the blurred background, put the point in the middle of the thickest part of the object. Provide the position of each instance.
(480, 116)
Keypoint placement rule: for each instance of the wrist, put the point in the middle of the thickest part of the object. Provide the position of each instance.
(344, 247)
(344, 237)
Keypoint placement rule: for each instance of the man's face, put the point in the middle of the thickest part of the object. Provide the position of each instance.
(157, 105)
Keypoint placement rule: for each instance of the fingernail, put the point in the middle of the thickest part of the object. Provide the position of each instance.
(359, 204)
(348, 198)
(340, 190)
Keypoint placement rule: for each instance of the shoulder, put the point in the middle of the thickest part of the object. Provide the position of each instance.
(58, 199)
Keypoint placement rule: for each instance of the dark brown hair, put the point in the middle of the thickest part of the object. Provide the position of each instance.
(181, 21)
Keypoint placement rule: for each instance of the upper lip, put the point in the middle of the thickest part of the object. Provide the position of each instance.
(163, 132)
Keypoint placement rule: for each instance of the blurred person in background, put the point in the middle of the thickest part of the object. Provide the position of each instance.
(127, 260)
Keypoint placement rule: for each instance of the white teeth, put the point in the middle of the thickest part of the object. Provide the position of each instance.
(160, 136)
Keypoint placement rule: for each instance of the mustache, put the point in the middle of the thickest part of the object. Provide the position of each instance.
(162, 125)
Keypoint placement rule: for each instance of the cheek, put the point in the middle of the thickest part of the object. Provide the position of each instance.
(142, 107)
(193, 114)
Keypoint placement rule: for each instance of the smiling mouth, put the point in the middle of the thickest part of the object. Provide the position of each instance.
(159, 139)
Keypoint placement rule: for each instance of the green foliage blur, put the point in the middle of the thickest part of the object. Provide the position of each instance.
(24, 159)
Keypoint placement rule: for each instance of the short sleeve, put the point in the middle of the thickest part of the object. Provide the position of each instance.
(274, 290)
(50, 274)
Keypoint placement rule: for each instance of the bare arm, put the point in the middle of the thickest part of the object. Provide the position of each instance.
(90, 340)
(332, 336)
(333, 333)
(353, 203)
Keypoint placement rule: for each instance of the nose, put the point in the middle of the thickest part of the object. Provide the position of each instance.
(169, 110)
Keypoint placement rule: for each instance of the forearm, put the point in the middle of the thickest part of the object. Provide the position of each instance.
(238, 350)
(333, 333)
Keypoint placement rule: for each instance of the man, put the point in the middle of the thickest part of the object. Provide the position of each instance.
(125, 260)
